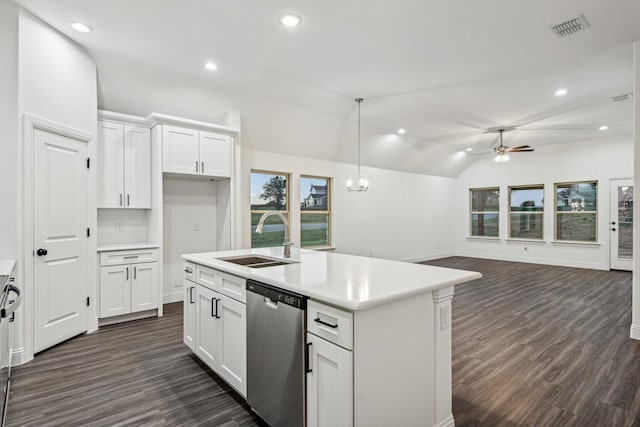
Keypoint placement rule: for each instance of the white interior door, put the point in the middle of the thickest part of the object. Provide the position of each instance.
(60, 238)
(621, 224)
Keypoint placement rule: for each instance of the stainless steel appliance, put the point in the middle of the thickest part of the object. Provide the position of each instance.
(276, 354)
(10, 300)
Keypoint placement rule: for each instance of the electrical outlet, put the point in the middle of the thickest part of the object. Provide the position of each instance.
(118, 228)
(196, 226)
(445, 319)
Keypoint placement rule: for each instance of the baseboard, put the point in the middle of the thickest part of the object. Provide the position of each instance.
(427, 257)
(634, 332)
(19, 357)
(529, 260)
(447, 422)
(172, 297)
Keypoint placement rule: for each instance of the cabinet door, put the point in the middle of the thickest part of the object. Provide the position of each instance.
(207, 313)
(215, 155)
(180, 150)
(110, 165)
(137, 167)
(115, 290)
(144, 286)
(329, 384)
(233, 343)
(189, 315)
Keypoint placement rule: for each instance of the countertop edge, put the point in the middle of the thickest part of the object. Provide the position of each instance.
(247, 273)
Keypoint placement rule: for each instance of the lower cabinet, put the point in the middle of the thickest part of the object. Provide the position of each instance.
(329, 384)
(189, 315)
(128, 288)
(215, 329)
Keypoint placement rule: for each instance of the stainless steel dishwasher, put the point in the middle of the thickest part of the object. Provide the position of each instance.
(275, 354)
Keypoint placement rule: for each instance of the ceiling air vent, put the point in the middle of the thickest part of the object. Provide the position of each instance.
(622, 98)
(571, 26)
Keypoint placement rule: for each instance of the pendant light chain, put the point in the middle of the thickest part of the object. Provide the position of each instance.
(361, 183)
(359, 101)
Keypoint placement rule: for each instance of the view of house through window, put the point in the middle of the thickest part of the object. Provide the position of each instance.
(526, 212)
(485, 210)
(577, 211)
(269, 192)
(315, 211)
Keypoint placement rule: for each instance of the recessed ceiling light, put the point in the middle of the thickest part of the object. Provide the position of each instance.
(603, 127)
(210, 66)
(290, 20)
(469, 149)
(561, 92)
(81, 28)
(402, 131)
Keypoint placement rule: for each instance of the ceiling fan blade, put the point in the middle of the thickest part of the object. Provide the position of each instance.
(519, 147)
(522, 150)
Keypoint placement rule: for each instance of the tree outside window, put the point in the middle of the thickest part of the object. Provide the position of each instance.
(269, 192)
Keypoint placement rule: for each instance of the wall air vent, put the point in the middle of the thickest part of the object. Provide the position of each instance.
(571, 26)
(622, 98)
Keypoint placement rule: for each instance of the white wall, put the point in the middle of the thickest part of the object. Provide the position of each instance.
(56, 82)
(189, 225)
(9, 127)
(122, 226)
(403, 216)
(600, 160)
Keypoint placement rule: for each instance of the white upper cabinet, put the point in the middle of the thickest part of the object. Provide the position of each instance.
(110, 164)
(124, 162)
(180, 152)
(215, 154)
(137, 166)
(188, 151)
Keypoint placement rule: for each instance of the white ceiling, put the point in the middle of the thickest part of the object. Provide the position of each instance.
(443, 69)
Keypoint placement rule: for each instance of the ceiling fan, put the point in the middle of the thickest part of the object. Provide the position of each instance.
(501, 151)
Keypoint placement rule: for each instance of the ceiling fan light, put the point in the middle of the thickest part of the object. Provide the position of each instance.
(501, 158)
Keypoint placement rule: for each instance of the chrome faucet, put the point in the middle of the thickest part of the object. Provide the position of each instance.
(287, 243)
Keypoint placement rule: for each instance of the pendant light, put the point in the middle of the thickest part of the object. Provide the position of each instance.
(362, 184)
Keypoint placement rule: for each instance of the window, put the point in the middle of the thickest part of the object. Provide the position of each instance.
(577, 211)
(526, 212)
(269, 192)
(485, 209)
(315, 211)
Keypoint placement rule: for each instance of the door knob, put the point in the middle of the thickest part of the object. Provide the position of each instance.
(41, 252)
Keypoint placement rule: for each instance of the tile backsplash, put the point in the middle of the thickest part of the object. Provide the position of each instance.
(122, 226)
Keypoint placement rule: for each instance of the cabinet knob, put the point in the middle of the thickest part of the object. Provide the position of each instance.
(42, 252)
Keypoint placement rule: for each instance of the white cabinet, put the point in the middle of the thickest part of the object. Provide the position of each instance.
(189, 321)
(207, 331)
(329, 384)
(215, 324)
(124, 166)
(193, 152)
(128, 286)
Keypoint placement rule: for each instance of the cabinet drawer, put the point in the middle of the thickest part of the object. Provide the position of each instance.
(330, 323)
(128, 257)
(189, 269)
(207, 277)
(233, 287)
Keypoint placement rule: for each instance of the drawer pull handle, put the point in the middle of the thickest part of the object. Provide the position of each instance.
(307, 360)
(131, 256)
(318, 320)
(188, 270)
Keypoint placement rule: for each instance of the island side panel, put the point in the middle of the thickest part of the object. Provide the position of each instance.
(394, 364)
(443, 392)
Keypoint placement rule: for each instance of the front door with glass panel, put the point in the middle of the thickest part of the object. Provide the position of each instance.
(621, 224)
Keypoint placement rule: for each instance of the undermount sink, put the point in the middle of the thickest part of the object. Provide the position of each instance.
(256, 261)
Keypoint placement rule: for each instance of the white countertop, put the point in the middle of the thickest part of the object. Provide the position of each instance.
(6, 266)
(347, 281)
(127, 247)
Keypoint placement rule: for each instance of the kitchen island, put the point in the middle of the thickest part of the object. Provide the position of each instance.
(382, 347)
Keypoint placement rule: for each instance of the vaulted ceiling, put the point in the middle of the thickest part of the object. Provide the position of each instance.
(444, 70)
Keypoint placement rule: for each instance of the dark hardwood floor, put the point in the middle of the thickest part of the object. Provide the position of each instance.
(532, 346)
(538, 345)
